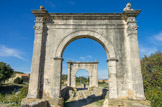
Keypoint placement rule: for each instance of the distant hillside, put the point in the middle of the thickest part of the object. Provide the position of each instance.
(18, 72)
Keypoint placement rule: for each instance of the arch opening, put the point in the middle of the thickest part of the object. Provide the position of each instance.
(82, 79)
(102, 41)
(83, 37)
(86, 50)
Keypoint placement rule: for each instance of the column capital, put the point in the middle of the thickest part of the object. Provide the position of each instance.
(58, 58)
(112, 59)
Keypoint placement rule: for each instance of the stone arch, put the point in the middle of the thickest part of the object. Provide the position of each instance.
(107, 44)
(52, 27)
(91, 67)
(87, 70)
(83, 69)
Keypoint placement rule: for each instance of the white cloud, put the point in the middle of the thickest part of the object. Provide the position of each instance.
(85, 57)
(89, 56)
(5, 52)
(153, 45)
(158, 37)
(147, 50)
(82, 58)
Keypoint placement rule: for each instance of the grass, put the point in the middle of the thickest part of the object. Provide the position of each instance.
(12, 94)
(100, 102)
(105, 85)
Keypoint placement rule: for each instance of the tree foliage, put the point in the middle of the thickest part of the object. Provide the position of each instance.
(5, 71)
(152, 78)
(18, 80)
(64, 77)
(81, 79)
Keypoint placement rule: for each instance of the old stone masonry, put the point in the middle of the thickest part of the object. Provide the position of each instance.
(91, 67)
(116, 32)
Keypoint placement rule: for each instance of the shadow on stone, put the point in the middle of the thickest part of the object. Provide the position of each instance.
(84, 101)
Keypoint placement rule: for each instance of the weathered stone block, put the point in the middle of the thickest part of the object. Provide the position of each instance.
(34, 103)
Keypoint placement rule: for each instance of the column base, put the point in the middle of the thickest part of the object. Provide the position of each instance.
(55, 102)
(126, 103)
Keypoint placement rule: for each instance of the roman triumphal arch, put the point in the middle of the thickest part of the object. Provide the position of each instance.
(116, 32)
(91, 67)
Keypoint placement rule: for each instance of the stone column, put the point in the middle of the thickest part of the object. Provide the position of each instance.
(95, 75)
(69, 75)
(73, 81)
(133, 54)
(113, 94)
(56, 78)
(34, 83)
(90, 80)
(73, 77)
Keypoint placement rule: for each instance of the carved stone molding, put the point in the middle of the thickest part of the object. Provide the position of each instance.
(58, 58)
(38, 29)
(39, 20)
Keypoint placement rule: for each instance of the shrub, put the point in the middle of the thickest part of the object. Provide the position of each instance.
(18, 80)
(152, 74)
(5, 71)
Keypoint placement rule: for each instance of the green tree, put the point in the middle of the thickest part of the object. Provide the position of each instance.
(5, 71)
(152, 78)
(18, 80)
(64, 77)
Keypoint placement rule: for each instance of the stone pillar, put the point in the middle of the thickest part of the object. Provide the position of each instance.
(113, 94)
(73, 77)
(90, 80)
(56, 78)
(95, 76)
(69, 75)
(133, 55)
(34, 83)
(73, 81)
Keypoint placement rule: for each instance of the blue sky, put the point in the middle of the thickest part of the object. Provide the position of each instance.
(17, 33)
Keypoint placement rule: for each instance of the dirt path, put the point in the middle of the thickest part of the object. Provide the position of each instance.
(82, 104)
(86, 98)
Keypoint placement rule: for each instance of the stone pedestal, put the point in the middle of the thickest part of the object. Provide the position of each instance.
(55, 102)
(126, 103)
(33, 102)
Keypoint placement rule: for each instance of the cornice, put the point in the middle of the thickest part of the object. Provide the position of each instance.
(83, 62)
